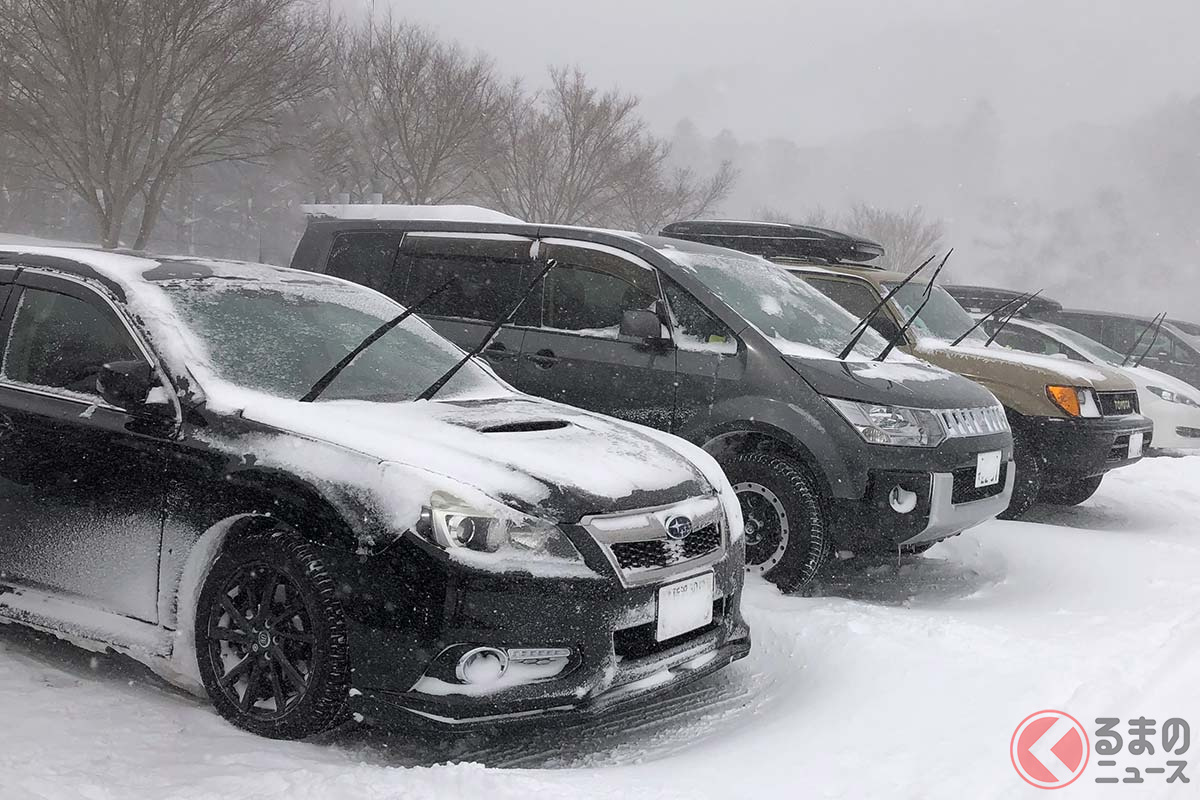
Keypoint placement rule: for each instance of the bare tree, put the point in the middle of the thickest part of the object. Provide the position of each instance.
(908, 237)
(654, 195)
(412, 111)
(113, 98)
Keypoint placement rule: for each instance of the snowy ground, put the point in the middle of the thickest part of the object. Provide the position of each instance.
(888, 683)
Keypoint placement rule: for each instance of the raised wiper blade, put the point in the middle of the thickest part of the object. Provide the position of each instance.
(329, 377)
(1153, 340)
(1009, 318)
(898, 335)
(861, 328)
(437, 385)
(1141, 336)
(989, 315)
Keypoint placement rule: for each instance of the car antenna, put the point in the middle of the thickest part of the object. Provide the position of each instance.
(898, 335)
(1010, 316)
(1141, 336)
(437, 385)
(861, 328)
(1153, 340)
(329, 377)
(988, 316)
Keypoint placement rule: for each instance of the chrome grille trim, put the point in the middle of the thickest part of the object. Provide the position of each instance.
(967, 422)
(650, 525)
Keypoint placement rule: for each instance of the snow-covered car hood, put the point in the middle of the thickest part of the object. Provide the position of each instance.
(539, 457)
(988, 364)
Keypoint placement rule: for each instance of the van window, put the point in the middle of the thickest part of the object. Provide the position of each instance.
(856, 298)
(485, 289)
(368, 258)
(590, 291)
(694, 328)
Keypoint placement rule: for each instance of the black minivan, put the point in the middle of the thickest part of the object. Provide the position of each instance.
(719, 347)
(186, 477)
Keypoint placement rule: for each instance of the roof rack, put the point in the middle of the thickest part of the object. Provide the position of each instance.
(982, 299)
(777, 240)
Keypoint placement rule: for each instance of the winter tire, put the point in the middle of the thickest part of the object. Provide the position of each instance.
(1027, 483)
(271, 638)
(786, 532)
(1071, 494)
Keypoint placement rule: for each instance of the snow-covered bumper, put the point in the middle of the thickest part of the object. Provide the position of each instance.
(482, 647)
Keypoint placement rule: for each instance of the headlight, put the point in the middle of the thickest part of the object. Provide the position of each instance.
(896, 425)
(1077, 401)
(451, 523)
(1174, 397)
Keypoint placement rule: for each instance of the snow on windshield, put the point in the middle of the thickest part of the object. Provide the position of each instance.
(799, 319)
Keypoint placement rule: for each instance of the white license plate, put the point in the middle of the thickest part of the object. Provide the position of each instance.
(987, 469)
(1136, 441)
(685, 606)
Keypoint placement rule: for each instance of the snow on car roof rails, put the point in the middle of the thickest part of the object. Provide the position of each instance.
(393, 212)
(777, 240)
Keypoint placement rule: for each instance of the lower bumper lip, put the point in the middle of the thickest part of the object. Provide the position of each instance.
(947, 518)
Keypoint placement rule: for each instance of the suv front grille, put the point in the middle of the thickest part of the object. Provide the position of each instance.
(965, 490)
(1118, 404)
(964, 422)
(661, 553)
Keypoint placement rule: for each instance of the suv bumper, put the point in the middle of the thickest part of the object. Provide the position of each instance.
(1072, 449)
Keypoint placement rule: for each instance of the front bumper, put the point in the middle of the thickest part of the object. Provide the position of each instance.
(1073, 449)
(1176, 426)
(404, 668)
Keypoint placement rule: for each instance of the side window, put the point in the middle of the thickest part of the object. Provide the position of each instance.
(1120, 334)
(368, 258)
(589, 292)
(1091, 327)
(1034, 342)
(485, 288)
(60, 342)
(694, 327)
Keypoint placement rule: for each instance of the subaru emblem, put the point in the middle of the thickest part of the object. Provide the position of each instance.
(679, 528)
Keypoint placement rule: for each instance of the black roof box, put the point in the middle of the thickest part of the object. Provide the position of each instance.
(777, 240)
(982, 299)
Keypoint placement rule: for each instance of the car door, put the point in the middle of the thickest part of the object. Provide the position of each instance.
(81, 481)
(710, 361)
(577, 355)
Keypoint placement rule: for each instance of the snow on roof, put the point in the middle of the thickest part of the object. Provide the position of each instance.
(380, 212)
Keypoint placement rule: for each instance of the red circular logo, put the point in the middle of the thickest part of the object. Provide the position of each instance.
(1049, 749)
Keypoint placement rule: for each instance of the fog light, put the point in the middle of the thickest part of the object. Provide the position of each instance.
(483, 665)
(902, 500)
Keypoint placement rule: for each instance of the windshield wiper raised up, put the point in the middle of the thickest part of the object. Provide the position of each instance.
(1156, 324)
(1009, 318)
(988, 316)
(898, 335)
(860, 329)
(437, 385)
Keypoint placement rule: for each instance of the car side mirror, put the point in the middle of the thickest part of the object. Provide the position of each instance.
(885, 326)
(640, 324)
(126, 384)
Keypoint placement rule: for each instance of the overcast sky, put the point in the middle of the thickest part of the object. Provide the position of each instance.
(813, 69)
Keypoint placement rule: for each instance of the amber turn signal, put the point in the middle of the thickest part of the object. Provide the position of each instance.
(1065, 397)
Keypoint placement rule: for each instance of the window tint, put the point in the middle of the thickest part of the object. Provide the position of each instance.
(854, 297)
(590, 290)
(368, 258)
(486, 288)
(695, 328)
(60, 342)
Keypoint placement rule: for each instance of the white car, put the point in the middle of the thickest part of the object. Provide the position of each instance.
(1173, 406)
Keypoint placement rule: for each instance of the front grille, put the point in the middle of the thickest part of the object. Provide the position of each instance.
(1118, 404)
(964, 422)
(662, 553)
(965, 490)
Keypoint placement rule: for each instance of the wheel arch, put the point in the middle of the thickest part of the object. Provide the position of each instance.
(751, 436)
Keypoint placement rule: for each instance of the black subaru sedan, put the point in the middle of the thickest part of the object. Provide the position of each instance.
(278, 487)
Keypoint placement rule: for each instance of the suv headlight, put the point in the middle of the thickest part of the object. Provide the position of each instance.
(1077, 401)
(1174, 397)
(453, 524)
(895, 425)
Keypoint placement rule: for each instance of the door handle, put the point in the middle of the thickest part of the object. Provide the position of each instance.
(498, 352)
(543, 358)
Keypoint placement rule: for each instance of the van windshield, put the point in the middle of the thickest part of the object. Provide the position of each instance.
(942, 317)
(782, 307)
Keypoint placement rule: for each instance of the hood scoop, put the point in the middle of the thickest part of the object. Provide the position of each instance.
(527, 426)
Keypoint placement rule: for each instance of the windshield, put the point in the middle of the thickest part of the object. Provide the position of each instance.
(1086, 344)
(942, 317)
(280, 336)
(777, 303)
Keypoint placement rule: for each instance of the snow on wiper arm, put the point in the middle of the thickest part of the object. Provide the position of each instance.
(860, 329)
(989, 315)
(898, 335)
(1009, 318)
(1153, 340)
(437, 385)
(329, 377)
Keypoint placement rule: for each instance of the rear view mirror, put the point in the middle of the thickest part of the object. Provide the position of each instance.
(126, 384)
(640, 324)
